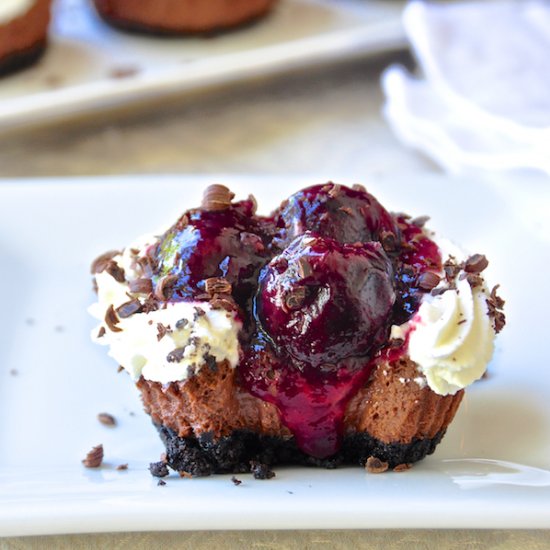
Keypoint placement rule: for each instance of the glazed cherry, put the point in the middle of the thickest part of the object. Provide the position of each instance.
(321, 301)
(345, 214)
(226, 242)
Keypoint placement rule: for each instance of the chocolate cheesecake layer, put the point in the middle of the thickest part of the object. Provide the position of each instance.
(210, 424)
(181, 16)
(236, 453)
(23, 39)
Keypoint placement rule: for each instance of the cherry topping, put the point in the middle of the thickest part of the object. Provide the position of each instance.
(344, 214)
(322, 301)
(222, 239)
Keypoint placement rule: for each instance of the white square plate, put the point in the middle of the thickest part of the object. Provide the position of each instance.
(90, 66)
(491, 470)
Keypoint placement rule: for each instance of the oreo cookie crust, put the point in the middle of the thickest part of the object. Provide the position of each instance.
(241, 450)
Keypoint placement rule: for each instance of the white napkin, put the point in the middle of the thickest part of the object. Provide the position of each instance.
(484, 99)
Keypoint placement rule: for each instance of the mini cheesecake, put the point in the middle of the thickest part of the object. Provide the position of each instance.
(330, 332)
(181, 16)
(23, 32)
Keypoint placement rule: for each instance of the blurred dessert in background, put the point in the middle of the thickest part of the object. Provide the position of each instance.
(23, 32)
(181, 16)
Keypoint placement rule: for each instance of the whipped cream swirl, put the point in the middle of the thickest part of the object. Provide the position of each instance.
(169, 344)
(452, 337)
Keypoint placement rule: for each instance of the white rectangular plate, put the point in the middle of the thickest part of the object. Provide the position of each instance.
(491, 470)
(90, 66)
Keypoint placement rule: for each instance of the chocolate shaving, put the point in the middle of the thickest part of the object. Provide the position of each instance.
(223, 303)
(161, 483)
(100, 263)
(261, 471)
(476, 263)
(121, 467)
(145, 265)
(120, 368)
(494, 305)
(111, 319)
(236, 481)
(128, 308)
(101, 332)
(115, 271)
(94, 458)
(295, 298)
(428, 280)
(451, 269)
(217, 285)
(158, 469)
(199, 312)
(176, 355)
(165, 287)
(106, 419)
(216, 197)
(141, 286)
(474, 279)
(182, 323)
(402, 467)
(375, 465)
(162, 331)
(335, 190)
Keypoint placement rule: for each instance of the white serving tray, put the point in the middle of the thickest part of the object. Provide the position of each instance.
(491, 470)
(90, 66)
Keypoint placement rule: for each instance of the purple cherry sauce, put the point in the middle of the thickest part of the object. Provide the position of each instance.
(319, 285)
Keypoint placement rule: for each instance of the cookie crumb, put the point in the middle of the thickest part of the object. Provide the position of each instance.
(94, 458)
(402, 467)
(158, 469)
(261, 471)
(106, 419)
(375, 465)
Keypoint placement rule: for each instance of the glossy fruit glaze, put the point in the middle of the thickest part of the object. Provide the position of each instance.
(318, 285)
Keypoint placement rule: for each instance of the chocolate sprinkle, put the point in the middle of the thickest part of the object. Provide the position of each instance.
(375, 465)
(100, 263)
(111, 319)
(476, 263)
(115, 271)
(162, 331)
(159, 469)
(165, 287)
(236, 481)
(141, 286)
(217, 285)
(428, 280)
(176, 355)
(94, 458)
(106, 419)
(182, 323)
(216, 197)
(129, 308)
(494, 305)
